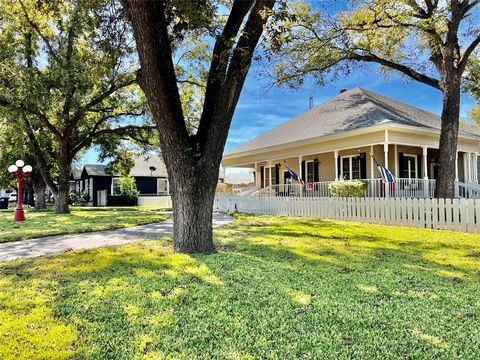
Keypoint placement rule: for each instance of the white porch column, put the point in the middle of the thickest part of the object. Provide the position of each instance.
(270, 176)
(255, 172)
(395, 147)
(456, 166)
(469, 167)
(371, 162)
(300, 167)
(264, 176)
(385, 150)
(335, 155)
(475, 166)
(425, 165)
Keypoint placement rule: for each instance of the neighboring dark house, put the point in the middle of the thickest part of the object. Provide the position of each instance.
(149, 172)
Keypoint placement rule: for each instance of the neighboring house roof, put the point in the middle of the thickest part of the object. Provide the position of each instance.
(95, 169)
(142, 166)
(354, 109)
(76, 174)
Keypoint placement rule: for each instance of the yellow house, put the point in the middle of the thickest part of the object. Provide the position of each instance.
(340, 139)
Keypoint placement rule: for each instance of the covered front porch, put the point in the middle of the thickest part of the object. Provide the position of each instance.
(415, 168)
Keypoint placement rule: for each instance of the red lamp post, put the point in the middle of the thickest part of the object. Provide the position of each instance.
(19, 170)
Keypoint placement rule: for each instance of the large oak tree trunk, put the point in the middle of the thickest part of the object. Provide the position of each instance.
(448, 141)
(193, 161)
(193, 196)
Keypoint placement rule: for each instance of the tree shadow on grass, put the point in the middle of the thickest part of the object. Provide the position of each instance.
(272, 290)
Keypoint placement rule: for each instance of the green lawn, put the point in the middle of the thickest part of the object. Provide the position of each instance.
(279, 288)
(46, 223)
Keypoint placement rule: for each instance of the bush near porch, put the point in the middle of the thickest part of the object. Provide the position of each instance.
(351, 188)
(279, 287)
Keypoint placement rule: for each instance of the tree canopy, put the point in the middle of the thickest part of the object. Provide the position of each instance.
(68, 72)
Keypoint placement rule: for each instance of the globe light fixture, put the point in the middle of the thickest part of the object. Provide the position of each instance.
(19, 170)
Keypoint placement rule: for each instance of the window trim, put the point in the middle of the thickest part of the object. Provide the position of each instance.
(415, 168)
(112, 187)
(268, 180)
(306, 170)
(350, 167)
(167, 192)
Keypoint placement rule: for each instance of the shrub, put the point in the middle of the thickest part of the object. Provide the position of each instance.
(351, 188)
(223, 188)
(125, 193)
(78, 198)
(127, 187)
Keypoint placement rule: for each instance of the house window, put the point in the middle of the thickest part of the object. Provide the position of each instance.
(115, 190)
(409, 166)
(350, 167)
(309, 167)
(162, 187)
(267, 176)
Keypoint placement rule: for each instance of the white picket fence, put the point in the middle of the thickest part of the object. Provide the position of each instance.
(443, 214)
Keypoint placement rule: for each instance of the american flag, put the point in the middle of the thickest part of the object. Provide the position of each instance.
(386, 174)
(295, 176)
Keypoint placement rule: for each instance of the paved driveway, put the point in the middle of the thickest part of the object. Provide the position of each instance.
(62, 243)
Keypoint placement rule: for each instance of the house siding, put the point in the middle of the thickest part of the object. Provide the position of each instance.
(101, 183)
(146, 185)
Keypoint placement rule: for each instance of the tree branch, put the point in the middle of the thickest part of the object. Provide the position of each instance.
(396, 66)
(97, 100)
(88, 138)
(35, 27)
(41, 117)
(220, 57)
(155, 53)
(214, 130)
(39, 157)
(468, 51)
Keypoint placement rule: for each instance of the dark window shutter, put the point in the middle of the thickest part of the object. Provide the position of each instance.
(262, 176)
(401, 165)
(339, 170)
(419, 163)
(363, 165)
(277, 174)
(315, 170)
(303, 172)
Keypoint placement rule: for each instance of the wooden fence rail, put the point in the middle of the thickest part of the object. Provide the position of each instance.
(445, 214)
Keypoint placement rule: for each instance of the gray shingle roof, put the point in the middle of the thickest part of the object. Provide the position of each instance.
(141, 167)
(354, 109)
(143, 164)
(95, 169)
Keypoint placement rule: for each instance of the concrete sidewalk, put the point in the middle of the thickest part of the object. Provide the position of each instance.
(62, 243)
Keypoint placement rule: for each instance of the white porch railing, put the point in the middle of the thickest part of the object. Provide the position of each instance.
(467, 190)
(408, 188)
(402, 188)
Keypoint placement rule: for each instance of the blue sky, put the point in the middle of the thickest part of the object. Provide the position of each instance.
(258, 111)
